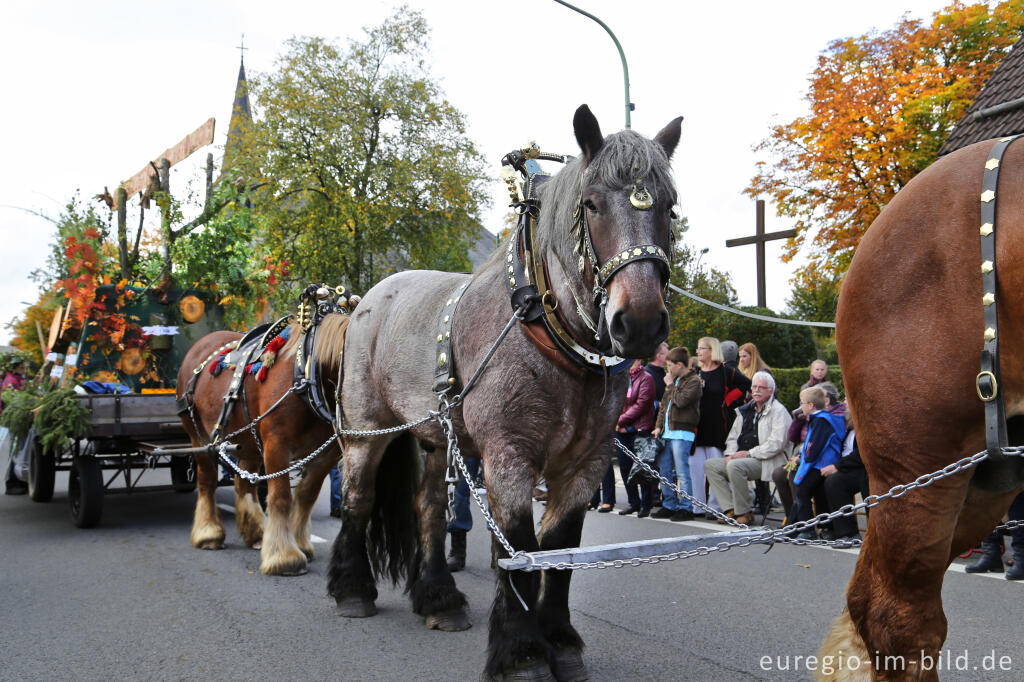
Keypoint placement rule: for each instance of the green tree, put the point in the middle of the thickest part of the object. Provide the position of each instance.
(692, 319)
(881, 105)
(369, 168)
(77, 222)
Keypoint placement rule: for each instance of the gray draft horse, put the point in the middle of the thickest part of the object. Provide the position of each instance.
(532, 412)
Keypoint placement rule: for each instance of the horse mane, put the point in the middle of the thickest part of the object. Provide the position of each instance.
(330, 339)
(624, 158)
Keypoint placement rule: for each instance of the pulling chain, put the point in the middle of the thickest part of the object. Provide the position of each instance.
(782, 534)
(254, 477)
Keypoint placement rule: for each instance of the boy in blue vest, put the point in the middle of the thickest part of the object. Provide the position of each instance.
(822, 447)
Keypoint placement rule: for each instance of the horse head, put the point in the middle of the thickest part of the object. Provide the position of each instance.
(619, 231)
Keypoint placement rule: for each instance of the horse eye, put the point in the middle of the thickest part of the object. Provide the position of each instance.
(589, 205)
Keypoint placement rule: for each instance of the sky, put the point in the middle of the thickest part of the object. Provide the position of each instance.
(93, 91)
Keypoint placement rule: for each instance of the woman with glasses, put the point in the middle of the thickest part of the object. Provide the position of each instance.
(723, 387)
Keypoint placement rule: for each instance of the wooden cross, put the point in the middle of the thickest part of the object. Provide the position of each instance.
(759, 238)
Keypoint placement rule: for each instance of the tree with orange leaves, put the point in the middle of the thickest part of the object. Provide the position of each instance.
(881, 105)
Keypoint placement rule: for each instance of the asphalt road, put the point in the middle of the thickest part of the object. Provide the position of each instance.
(132, 600)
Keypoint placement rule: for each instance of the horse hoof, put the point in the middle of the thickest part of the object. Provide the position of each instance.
(355, 607)
(288, 568)
(569, 667)
(454, 620)
(534, 672)
(212, 544)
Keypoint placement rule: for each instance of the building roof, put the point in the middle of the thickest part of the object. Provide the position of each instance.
(999, 109)
(241, 116)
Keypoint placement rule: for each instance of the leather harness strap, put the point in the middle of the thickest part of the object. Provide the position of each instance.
(987, 382)
(538, 334)
(444, 369)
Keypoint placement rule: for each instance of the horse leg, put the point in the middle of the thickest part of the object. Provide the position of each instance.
(516, 646)
(894, 598)
(562, 527)
(432, 589)
(249, 514)
(207, 528)
(349, 577)
(306, 493)
(279, 553)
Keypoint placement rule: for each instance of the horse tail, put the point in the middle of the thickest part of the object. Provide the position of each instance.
(392, 533)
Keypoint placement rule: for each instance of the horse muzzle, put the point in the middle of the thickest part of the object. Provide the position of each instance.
(635, 330)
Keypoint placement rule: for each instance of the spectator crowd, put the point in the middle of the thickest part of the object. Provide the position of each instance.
(712, 424)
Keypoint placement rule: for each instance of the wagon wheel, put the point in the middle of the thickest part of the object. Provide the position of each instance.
(183, 474)
(41, 471)
(85, 491)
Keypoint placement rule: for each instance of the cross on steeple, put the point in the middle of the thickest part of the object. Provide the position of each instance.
(242, 48)
(759, 238)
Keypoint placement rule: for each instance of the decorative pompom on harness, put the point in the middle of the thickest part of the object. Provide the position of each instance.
(220, 363)
(260, 368)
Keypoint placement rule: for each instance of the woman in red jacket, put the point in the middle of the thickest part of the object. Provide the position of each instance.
(637, 419)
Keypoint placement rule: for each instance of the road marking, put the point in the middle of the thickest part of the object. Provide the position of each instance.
(312, 536)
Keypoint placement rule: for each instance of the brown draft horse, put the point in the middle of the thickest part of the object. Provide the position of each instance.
(910, 330)
(290, 432)
(527, 416)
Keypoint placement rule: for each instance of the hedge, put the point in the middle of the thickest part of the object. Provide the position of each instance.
(789, 381)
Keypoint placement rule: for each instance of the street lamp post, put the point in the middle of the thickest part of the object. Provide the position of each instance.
(622, 55)
(702, 252)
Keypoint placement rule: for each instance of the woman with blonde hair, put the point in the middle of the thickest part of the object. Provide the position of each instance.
(750, 362)
(722, 387)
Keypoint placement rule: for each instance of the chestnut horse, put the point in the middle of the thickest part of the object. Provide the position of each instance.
(289, 432)
(909, 331)
(528, 415)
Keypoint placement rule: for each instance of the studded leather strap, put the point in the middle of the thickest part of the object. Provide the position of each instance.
(988, 378)
(444, 369)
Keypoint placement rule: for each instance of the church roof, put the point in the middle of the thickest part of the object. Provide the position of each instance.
(999, 109)
(241, 115)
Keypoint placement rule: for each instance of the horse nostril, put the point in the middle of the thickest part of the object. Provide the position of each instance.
(617, 328)
(663, 326)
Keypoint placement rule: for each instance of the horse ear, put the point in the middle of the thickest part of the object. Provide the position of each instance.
(588, 132)
(668, 137)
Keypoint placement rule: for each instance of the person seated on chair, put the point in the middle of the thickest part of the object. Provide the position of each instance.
(756, 444)
(823, 446)
(797, 434)
(843, 480)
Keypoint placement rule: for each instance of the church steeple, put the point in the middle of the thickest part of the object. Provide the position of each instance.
(241, 116)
